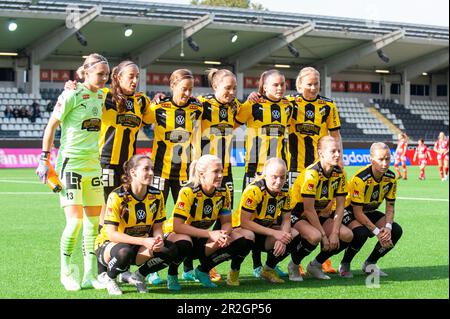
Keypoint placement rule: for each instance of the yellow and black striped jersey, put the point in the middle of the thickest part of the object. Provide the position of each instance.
(176, 137)
(266, 122)
(313, 183)
(217, 129)
(141, 215)
(366, 191)
(264, 206)
(309, 122)
(199, 209)
(119, 131)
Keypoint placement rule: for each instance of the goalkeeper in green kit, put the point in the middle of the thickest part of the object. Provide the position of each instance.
(79, 113)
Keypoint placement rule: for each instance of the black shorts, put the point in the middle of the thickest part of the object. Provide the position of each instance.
(374, 216)
(101, 251)
(111, 177)
(198, 245)
(322, 219)
(167, 185)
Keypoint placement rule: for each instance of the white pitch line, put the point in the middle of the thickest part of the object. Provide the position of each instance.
(425, 199)
(26, 193)
(18, 182)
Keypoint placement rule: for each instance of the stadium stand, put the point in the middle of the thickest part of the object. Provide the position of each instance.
(420, 119)
(358, 124)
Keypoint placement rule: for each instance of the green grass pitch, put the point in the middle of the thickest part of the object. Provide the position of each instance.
(32, 223)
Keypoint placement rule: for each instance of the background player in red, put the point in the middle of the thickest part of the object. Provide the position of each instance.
(421, 154)
(400, 154)
(441, 147)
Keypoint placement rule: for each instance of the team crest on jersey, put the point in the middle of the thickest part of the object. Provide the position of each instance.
(181, 205)
(249, 202)
(322, 110)
(310, 187)
(85, 96)
(219, 204)
(355, 193)
(153, 208)
(334, 185)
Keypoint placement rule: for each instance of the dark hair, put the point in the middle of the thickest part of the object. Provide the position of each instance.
(126, 180)
(118, 96)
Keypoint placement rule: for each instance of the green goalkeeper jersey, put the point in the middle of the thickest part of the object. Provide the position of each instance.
(80, 113)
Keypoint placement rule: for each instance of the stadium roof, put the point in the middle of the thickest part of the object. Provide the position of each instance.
(349, 44)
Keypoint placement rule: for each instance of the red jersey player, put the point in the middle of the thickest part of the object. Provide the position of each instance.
(441, 148)
(421, 154)
(400, 154)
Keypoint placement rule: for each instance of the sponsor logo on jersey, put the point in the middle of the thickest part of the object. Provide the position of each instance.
(334, 185)
(223, 113)
(324, 190)
(207, 210)
(310, 187)
(166, 105)
(151, 196)
(181, 205)
(129, 105)
(321, 101)
(129, 120)
(94, 111)
(91, 125)
(276, 114)
(355, 193)
(375, 195)
(385, 188)
(85, 96)
(140, 216)
(100, 97)
(199, 195)
(180, 120)
(249, 202)
(309, 114)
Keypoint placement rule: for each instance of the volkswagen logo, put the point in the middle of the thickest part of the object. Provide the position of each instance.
(140, 214)
(223, 113)
(375, 194)
(179, 119)
(207, 210)
(129, 105)
(310, 114)
(324, 190)
(271, 210)
(276, 114)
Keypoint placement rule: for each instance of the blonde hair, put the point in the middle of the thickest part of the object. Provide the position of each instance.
(263, 78)
(179, 75)
(324, 140)
(303, 73)
(216, 75)
(200, 166)
(271, 162)
(378, 146)
(91, 61)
